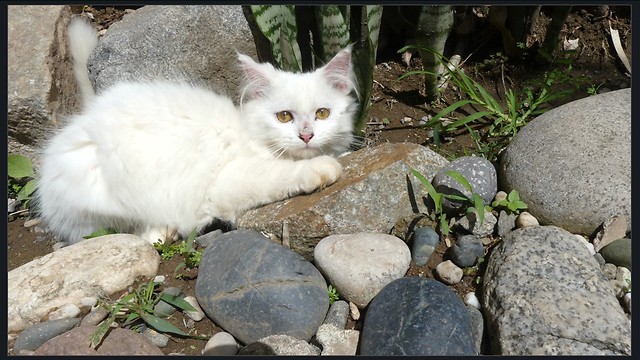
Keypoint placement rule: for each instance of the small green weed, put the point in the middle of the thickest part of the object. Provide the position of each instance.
(474, 203)
(333, 294)
(512, 203)
(101, 232)
(137, 307)
(22, 178)
(184, 248)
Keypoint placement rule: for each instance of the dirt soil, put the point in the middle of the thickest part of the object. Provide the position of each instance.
(397, 107)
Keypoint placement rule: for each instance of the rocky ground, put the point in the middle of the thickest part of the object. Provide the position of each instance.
(395, 115)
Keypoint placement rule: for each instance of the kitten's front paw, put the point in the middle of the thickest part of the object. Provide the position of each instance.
(321, 171)
(159, 235)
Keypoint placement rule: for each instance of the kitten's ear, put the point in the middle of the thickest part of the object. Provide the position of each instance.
(256, 76)
(339, 71)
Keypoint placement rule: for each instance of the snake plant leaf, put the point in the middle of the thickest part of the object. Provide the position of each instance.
(278, 24)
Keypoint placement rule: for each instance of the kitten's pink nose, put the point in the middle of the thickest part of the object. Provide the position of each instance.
(305, 137)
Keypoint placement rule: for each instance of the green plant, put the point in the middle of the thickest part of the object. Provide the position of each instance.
(137, 307)
(473, 203)
(503, 122)
(333, 294)
(297, 38)
(512, 203)
(185, 248)
(593, 89)
(22, 179)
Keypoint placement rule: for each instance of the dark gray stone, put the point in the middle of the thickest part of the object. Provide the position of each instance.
(338, 314)
(34, 336)
(618, 253)
(479, 172)
(417, 316)
(253, 288)
(466, 250)
(425, 240)
(477, 325)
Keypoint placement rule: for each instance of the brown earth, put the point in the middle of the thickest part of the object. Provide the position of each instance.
(595, 64)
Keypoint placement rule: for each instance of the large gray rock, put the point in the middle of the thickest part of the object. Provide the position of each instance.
(41, 89)
(375, 191)
(254, 288)
(90, 268)
(572, 165)
(193, 42)
(544, 294)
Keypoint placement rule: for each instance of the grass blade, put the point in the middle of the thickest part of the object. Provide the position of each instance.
(456, 124)
(161, 325)
(177, 301)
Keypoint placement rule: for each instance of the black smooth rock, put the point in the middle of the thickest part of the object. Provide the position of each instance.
(253, 288)
(466, 250)
(417, 316)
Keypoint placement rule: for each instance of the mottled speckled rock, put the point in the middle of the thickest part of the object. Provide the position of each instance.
(572, 165)
(193, 42)
(280, 345)
(478, 171)
(544, 294)
(417, 316)
(252, 288)
(375, 191)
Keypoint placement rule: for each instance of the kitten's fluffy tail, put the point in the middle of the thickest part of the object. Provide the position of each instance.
(83, 39)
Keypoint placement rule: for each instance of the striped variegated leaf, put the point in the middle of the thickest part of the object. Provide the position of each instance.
(278, 24)
(333, 29)
(374, 19)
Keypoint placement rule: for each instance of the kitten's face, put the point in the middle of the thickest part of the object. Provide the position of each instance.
(301, 115)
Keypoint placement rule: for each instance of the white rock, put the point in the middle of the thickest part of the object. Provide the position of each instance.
(159, 279)
(221, 344)
(500, 195)
(449, 272)
(196, 315)
(610, 271)
(106, 264)
(586, 243)
(32, 222)
(472, 299)
(526, 220)
(360, 265)
(65, 312)
(336, 341)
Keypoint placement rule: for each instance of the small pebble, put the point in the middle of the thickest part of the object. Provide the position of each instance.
(32, 222)
(472, 300)
(526, 220)
(89, 301)
(158, 339)
(159, 279)
(196, 315)
(466, 250)
(406, 120)
(586, 243)
(95, 316)
(500, 195)
(354, 311)
(425, 240)
(164, 309)
(338, 314)
(65, 312)
(610, 270)
(449, 272)
(12, 205)
(221, 344)
(424, 120)
(623, 274)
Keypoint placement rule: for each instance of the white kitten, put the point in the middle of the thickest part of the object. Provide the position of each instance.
(153, 158)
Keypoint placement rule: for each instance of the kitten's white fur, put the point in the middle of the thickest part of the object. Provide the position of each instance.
(156, 158)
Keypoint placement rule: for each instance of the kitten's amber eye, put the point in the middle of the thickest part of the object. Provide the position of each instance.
(284, 116)
(322, 113)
